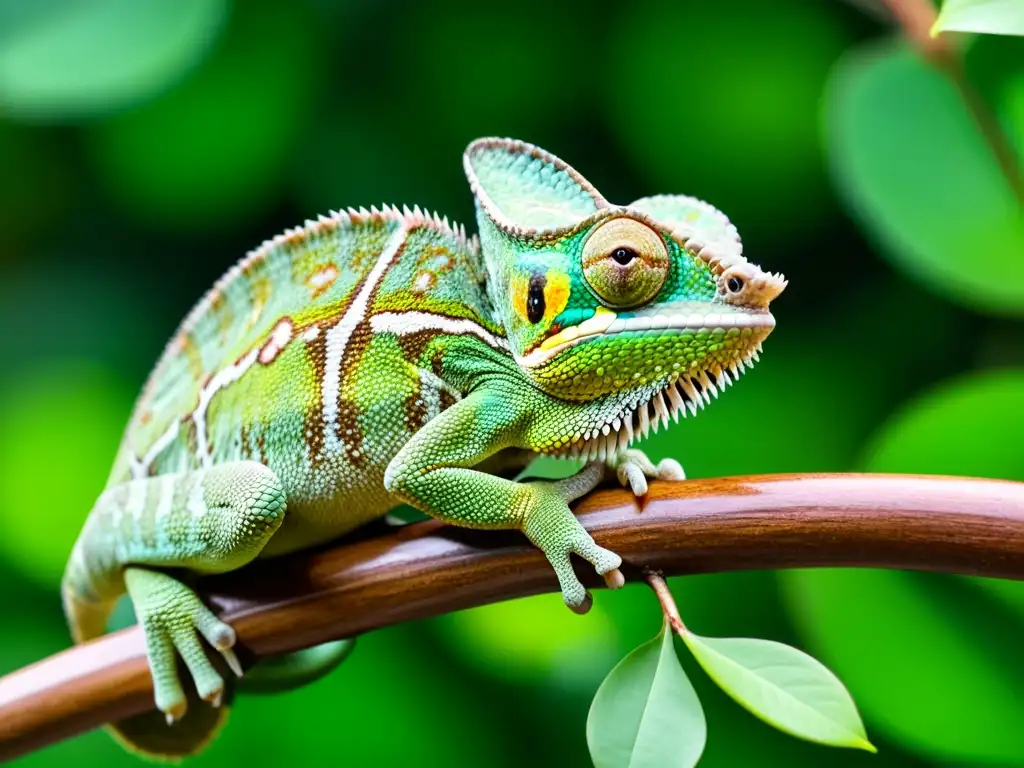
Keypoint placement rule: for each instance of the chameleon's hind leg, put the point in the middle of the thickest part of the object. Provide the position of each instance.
(174, 618)
(633, 468)
(207, 521)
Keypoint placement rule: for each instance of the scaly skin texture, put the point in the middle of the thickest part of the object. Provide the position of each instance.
(373, 357)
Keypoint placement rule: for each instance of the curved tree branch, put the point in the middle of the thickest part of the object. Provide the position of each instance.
(955, 525)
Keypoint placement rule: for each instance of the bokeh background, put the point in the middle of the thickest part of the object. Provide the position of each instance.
(146, 146)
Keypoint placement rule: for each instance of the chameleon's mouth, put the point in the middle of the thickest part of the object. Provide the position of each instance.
(681, 316)
(680, 395)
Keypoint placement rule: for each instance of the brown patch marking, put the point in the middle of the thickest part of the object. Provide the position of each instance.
(191, 439)
(221, 311)
(349, 432)
(187, 346)
(413, 345)
(313, 424)
(448, 399)
(261, 447)
(321, 279)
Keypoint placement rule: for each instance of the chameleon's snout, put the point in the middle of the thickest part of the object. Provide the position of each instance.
(747, 285)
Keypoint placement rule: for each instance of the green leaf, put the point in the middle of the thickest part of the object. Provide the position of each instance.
(933, 667)
(995, 17)
(784, 687)
(69, 60)
(646, 713)
(913, 167)
(940, 642)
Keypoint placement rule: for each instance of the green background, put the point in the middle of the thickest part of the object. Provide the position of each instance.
(144, 147)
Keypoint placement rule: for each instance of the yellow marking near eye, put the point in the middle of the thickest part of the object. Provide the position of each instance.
(556, 294)
(519, 286)
(596, 323)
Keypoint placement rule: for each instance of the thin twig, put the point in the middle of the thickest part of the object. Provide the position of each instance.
(956, 525)
(988, 124)
(668, 603)
(916, 18)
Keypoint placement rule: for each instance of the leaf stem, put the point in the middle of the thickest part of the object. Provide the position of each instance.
(987, 123)
(916, 18)
(668, 603)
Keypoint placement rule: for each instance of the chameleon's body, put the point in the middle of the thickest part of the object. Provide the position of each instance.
(370, 358)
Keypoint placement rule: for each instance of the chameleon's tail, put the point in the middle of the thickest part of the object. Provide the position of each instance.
(88, 603)
(148, 735)
(87, 618)
(294, 670)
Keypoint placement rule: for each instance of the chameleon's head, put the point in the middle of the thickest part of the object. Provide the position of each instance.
(652, 301)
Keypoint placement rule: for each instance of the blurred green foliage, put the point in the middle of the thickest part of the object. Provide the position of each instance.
(928, 202)
(144, 147)
(69, 60)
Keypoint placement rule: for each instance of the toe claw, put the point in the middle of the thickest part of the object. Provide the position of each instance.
(232, 660)
(174, 713)
(614, 578)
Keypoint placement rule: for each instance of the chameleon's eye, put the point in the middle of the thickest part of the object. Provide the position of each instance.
(625, 262)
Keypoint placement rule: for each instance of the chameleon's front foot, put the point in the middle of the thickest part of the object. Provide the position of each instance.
(174, 618)
(632, 468)
(551, 526)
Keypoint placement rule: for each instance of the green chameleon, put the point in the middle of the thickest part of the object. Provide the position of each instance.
(377, 357)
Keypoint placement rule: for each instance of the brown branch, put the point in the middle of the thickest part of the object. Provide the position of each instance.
(954, 525)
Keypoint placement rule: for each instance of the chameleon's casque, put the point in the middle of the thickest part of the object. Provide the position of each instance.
(375, 357)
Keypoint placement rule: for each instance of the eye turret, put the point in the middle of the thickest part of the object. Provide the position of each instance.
(625, 262)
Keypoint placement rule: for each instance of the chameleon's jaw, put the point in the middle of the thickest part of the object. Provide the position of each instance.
(681, 395)
(681, 317)
(632, 372)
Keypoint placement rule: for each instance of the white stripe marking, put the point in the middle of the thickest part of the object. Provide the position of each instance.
(164, 508)
(196, 506)
(339, 335)
(405, 323)
(221, 379)
(140, 468)
(431, 387)
(134, 504)
(114, 503)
